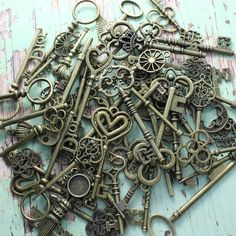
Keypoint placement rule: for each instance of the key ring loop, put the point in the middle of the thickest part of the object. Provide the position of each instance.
(149, 182)
(88, 21)
(40, 100)
(43, 216)
(128, 13)
(170, 162)
(166, 220)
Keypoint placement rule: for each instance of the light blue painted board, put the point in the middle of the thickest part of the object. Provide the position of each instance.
(215, 214)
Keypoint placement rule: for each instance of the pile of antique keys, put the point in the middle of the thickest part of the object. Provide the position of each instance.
(120, 106)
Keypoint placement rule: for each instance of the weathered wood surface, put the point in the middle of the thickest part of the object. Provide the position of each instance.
(214, 215)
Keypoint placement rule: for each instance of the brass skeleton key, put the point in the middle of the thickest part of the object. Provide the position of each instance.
(14, 93)
(81, 57)
(212, 182)
(51, 57)
(147, 135)
(200, 47)
(113, 173)
(214, 177)
(33, 115)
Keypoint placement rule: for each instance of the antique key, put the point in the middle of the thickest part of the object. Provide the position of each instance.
(32, 115)
(146, 133)
(189, 203)
(62, 70)
(71, 114)
(212, 182)
(35, 46)
(130, 75)
(176, 49)
(113, 173)
(201, 98)
(36, 52)
(36, 130)
(200, 47)
(52, 56)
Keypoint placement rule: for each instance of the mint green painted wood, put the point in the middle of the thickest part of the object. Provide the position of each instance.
(214, 215)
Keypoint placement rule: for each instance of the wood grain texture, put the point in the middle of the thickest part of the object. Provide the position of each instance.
(214, 215)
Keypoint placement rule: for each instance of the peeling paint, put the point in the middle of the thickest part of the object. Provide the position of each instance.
(55, 4)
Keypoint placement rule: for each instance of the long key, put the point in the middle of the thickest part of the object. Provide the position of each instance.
(176, 49)
(160, 134)
(33, 115)
(157, 113)
(200, 47)
(200, 193)
(77, 68)
(177, 214)
(49, 60)
(59, 145)
(78, 120)
(71, 114)
(147, 135)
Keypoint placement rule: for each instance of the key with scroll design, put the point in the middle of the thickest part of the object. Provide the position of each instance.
(53, 54)
(117, 124)
(84, 148)
(200, 99)
(68, 122)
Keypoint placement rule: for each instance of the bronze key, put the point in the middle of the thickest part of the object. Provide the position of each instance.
(189, 203)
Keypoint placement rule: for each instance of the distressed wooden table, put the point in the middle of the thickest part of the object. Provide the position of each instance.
(214, 215)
